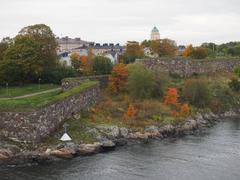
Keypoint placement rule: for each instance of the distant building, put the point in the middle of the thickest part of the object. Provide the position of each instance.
(111, 51)
(67, 44)
(155, 35)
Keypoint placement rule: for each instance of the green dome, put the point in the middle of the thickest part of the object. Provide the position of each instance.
(155, 29)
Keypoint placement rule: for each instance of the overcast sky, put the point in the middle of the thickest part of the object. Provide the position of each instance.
(186, 21)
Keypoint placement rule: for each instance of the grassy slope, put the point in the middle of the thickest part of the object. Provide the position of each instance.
(30, 103)
(23, 90)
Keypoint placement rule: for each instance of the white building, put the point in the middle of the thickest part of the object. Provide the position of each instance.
(155, 35)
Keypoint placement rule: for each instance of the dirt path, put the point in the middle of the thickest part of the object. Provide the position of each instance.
(33, 94)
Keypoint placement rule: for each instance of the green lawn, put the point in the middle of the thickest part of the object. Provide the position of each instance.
(38, 101)
(24, 90)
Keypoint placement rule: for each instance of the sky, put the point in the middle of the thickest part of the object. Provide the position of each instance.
(117, 21)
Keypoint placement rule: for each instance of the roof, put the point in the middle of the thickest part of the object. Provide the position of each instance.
(155, 29)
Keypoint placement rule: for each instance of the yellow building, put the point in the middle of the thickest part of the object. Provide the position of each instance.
(155, 35)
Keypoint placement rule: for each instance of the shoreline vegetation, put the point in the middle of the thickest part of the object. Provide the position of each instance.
(121, 118)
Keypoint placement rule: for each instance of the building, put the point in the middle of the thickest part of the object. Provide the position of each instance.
(67, 44)
(155, 35)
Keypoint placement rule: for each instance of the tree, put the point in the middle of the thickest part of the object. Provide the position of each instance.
(3, 48)
(118, 78)
(199, 53)
(196, 92)
(43, 35)
(140, 82)
(131, 112)
(133, 51)
(164, 47)
(146, 43)
(24, 54)
(188, 51)
(102, 65)
(172, 97)
(75, 60)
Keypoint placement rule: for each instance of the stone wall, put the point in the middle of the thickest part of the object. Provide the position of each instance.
(34, 126)
(69, 83)
(189, 67)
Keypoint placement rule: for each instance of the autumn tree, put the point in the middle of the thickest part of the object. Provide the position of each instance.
(118, 78)
(131, 112)
(184, 110)
(133, 51)
(188, 51)
(164, 47)
(172, 97)
(75, 60)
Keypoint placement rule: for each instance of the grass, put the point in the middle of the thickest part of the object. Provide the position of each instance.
(38, 101)
(24, 90)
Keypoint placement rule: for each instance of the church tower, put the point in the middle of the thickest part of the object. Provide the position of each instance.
(155, 35)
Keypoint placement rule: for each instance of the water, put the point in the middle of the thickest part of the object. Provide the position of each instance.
(212, 156)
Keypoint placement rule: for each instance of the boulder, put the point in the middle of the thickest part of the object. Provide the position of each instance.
(88, 149)
(65, 153)
(123, 132)
(110, 131)
(108, 145)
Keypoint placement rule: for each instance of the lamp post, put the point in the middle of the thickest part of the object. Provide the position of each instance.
(39, 83)
(7, 89)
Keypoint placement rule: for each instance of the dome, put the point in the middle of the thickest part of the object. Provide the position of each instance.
(155, 29)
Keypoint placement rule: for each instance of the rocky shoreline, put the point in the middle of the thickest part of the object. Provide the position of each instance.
(109, 137)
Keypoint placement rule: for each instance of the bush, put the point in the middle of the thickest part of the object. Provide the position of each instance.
(234, 84)
(102, 65)
(199, 53)
(161, 79)
(118, 78)
(196, 92)
(58, 73)
(140, 82)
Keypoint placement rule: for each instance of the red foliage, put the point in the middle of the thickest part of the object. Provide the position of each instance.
(118, 78)
(172, 97)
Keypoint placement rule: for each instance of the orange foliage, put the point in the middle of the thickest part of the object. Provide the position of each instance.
(187, 52)
(83, 60)
(184, 110)
(131, 113)
(118, 78)
(172, 97)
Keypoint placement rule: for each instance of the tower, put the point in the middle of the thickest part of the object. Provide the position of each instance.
(155, 35)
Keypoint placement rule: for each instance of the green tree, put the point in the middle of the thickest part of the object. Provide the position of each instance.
(102, 65)
(140, 82)
(199, 53)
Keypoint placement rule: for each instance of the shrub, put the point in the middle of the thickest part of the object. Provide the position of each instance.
(196, 92)
(172, 97)
(161, 79)
(140, 82)
(199, 53)
(234, 84)
(118, 78)
(102, 65)
(131, 112)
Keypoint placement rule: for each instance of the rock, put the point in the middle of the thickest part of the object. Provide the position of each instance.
(48, 151)
(110, 131)
(138, 135)
(120, 142)
(88, 149)
(151, 129)
(108, 145)
(190, 125)
(63, 153)
(3, 157)
(123, 132)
